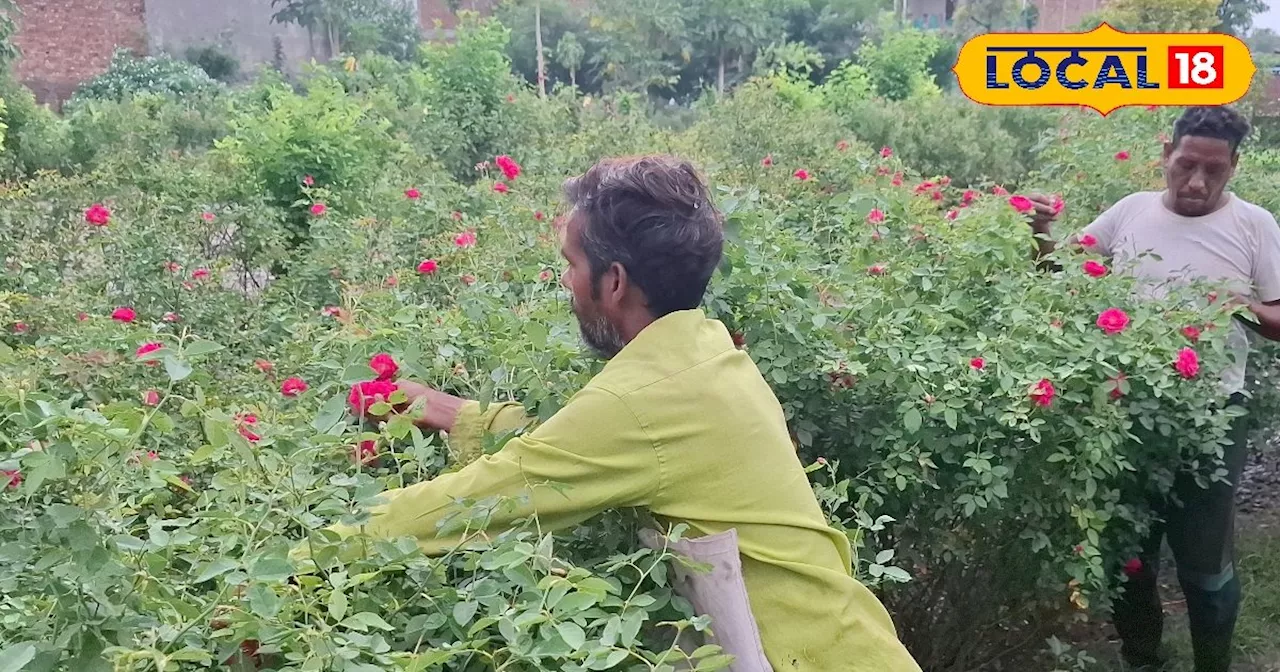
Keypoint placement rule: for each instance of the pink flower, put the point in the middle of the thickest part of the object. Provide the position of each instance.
(1188, 363)
(539, 216)
(1042, 393)
(467, 279)
(11, 477)
(501, 187)
(924, 186)
(1021, 204)
(1088, 241)
(412, 194)
(97, 214)
(151, 398)
(207, 216)
(385, 366)
(886, 152)
(263, 365)
(1122, 156)
(246, 419)
(1192, 333)
(842, 145)
(1058, 205)
(767, 161)
(882, 170)
(876, 216)
(172, 266)
(999, 190)
(171, 317)
(967, 197)
(366, 394)
(308, 180)
(293, 386)
(977, 363)
(200, 274)
(124, 314)
(1116, 391)
(510, 169)
(801, 174)
(1094, 269)
(188, 286)
(465, 239)
(545, 275)
(897, 180)
(428, 267)
(331, 311)
(877, 269)
(82, 316)
(366, 452)
(952, 214)
(944, 181)
(1113, 321)
(20, 327)
(146, 348)
(1133, 567)
(936, 195)
(318, 209)
(393, 281)
(250, 435)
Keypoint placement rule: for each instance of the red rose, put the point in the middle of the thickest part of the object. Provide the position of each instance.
(510, 169)
(801, 174)
(923, 187)
(82, 316)
(366, 394)
(1113, 321)
(20, 327)
(1188, 363)
(877, 269)
(842, 145)
(545, 275)
(1133, 567)
(146, 348)
(331, 311)
(1058, 205)
(1088, 241)
(207, 216)
(250, 435)
(1116, 390)
(172, 266)
(151, 397)
(897, 180)
(465, 239)
(200, 274)
(308, 180)
(97, 215)
(171, 317)
(385, 366)
(318, 209)
(968, 197)
(412, 194)
(501, 187)
(977, 363)
(366, 452)
(428, 267)
(1042, 393)
(876, 216)
(124, 314)
(1094, 269)
(999, 190)
(1021, 204)
(11, 477)
(767, 161)
(292, 387)
(738, 339)
(1122, 156)
(1192, 333)
(885, 152)
(952, 214)
(263, 365)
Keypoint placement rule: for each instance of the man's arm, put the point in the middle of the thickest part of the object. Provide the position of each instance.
(591, 456)
(1268, 324)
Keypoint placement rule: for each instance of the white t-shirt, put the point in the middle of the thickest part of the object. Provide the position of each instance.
(1237, 245)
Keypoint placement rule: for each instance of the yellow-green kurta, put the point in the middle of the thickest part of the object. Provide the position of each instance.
(682, 424)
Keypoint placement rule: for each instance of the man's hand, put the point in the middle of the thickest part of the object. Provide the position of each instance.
(1047, 209)
(435, 410)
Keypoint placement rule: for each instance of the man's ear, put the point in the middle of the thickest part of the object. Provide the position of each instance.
(1168, 150)
(615, 283)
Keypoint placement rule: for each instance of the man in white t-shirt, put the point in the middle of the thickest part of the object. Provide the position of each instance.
(1194, 229)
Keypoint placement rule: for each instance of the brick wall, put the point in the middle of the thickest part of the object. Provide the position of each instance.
(65, 42)
(1063, 15)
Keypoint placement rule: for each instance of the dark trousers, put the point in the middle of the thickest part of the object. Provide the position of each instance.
(1200, 526)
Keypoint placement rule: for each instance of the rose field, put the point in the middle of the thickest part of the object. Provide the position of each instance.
(192, 288)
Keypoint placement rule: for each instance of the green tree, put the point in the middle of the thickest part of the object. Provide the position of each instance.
(385, 26)
(1236, 16)
(1263, 41)
(835, 28)
(639, 44)
(569, 54)
(8, 28)
(984, 16)
(1163, 16)
(898, 67)
(728, 29)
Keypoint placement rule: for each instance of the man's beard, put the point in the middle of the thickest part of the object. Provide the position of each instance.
(598, 334)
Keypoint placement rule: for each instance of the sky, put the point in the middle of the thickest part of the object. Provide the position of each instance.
(1270, 18)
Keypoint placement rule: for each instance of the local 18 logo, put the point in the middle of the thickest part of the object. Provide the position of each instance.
(1104, 69)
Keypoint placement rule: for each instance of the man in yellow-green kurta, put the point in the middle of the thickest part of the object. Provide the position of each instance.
(679, 422)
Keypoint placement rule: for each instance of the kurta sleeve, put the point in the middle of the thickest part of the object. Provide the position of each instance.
(591, 456)
(466, 439)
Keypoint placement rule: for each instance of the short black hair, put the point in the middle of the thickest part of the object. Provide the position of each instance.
(653, 215)
(1212, 121)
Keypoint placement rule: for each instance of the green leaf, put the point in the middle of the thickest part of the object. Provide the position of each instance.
(198, 348)
(264, 601)
(331, 413)
(216, 568)
(176, 368)
(912, 420)
(536, 334)
(950, 416)
(337, 605)
(463, 612)
(572, 634)
(16, 657)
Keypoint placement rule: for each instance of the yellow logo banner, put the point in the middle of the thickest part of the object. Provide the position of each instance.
(1104, 69)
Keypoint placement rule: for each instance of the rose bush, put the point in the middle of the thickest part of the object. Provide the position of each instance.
(984, 436)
